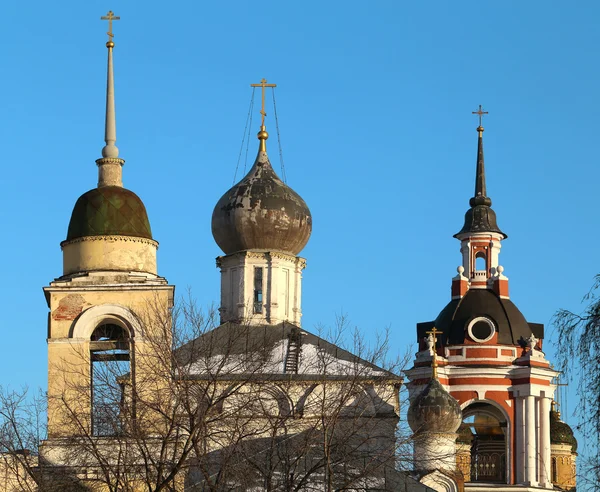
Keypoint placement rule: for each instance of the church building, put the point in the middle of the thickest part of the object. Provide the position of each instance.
(257, 401)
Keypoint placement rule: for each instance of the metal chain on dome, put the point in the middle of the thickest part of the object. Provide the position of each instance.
(246, 131)
(283, 176)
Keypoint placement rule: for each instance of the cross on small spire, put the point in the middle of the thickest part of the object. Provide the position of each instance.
(434, 331)
(110, 17)
(480, 112)
(263, 84)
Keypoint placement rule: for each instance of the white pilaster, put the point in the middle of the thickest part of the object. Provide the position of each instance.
(544, 453)
(520, 440)
(280, 291)
(530, 442)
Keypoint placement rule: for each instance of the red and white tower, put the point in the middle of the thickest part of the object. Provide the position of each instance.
(491, 361)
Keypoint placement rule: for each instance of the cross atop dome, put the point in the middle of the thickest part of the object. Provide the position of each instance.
(110, 17)
(480, 112)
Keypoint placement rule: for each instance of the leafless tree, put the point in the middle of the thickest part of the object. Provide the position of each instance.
(22, 427)
(195, 406)
(578, 356)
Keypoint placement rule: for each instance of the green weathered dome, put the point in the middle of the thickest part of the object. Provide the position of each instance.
(561, 432)
(109, 210)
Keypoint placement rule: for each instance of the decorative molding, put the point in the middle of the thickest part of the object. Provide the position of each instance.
(111, 237)
(110, 160)
(87, 322)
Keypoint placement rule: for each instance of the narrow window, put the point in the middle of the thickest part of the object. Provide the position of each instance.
(111, 374)
(258, 290)
(480, 263)
(554, 471)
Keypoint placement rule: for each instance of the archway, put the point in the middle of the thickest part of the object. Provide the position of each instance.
(482, 443)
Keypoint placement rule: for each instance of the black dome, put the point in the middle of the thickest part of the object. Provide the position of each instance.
(261, 212)
(434, 410)
(511, 325)
(480, 218)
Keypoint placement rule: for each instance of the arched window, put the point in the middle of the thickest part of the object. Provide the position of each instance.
(480, 262)
(110, 378)
(554, 470)
(486, 427)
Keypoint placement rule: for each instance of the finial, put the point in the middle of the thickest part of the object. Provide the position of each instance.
(110, 128)
(480, 112)
(110, 164)
(262, 134)
(480, 196)
(434, 365)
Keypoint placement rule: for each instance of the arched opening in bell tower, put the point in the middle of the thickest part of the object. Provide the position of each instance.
(480, 262)
(110, 377)
(483, 440)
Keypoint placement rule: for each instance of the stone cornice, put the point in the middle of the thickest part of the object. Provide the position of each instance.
(111, 238)
(280, 255)
(110, 160)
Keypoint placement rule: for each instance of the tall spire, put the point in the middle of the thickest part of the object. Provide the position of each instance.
(480, 217)
(109, 166)
(480, 196)
(262, 134)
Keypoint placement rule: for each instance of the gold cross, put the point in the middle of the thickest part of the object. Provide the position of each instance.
(480, 112)
(434, 365)
(110, 17)
(263, 84)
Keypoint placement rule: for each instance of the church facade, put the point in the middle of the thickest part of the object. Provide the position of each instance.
(257, 402)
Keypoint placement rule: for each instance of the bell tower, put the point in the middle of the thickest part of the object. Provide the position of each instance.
(103, 307)
(490, 360)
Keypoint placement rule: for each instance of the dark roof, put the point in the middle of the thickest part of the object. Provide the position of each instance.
(480, 217)
(510, 323)
(109, 210)
(261, 212)
(561, 432)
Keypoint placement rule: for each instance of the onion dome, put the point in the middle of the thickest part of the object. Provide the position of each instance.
(434, 410)
(261, 212)
(466, 317)
(561, 432)
(109, 210)
(480, 217)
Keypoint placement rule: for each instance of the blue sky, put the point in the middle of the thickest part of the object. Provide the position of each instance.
(374, 102)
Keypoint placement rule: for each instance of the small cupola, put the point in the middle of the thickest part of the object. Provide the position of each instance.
(561, 432)
(434, 410)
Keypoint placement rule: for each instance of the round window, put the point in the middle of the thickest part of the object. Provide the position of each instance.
(481, 329)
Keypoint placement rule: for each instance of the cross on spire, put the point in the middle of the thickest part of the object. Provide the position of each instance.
(480, 112)
(263, 84)
(434, 331)
(110, 17)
